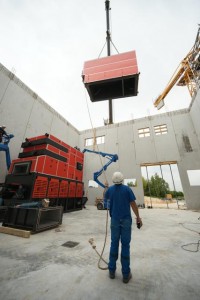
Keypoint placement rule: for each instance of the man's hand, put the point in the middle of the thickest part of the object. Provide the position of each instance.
(139, 222)
(136, 212)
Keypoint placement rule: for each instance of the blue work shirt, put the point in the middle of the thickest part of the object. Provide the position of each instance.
(120, 196)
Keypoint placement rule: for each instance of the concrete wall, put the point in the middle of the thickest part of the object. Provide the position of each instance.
(26, 115)
(179, 145)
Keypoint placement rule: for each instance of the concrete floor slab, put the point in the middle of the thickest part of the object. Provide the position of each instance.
(162, 267)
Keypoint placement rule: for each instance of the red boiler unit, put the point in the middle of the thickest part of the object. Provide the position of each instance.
(111, 77)
(47, 168)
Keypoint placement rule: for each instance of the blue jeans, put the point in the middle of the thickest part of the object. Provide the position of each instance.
(120, 229)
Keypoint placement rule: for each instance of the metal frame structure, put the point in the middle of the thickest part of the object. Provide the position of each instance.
(112, 158)
(187, 73)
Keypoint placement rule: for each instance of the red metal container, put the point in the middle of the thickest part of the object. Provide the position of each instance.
(111, 77)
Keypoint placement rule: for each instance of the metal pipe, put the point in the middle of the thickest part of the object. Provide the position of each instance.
(149, 187)
(162, 179)
(108, 39)
(174, 185)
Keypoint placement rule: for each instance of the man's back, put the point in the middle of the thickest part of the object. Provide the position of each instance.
(120, 197)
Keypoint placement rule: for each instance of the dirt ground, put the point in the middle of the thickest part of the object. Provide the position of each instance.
(159, 203)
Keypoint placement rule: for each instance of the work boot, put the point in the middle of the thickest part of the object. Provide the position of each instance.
(126, 279)
(112, 275)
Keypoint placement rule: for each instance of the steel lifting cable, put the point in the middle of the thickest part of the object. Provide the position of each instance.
(91, 240)
(110, 40)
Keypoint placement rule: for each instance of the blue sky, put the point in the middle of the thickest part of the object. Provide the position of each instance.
(45, 43)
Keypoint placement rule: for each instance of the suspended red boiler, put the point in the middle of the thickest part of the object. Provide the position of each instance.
(111, 77)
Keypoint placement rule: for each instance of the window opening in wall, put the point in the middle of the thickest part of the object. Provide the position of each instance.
(89, 142)
(162, 185)
(144, 132)
(95, 141)
(194, 177)
(160, 129)
(92, 184)
(100, 139)
(132, 182)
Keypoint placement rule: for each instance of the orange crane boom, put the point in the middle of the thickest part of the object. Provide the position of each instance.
(187, 73)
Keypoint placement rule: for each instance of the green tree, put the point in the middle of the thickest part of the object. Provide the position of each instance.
(157, 185)
(145, 186)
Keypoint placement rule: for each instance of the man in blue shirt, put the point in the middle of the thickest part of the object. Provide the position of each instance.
(122, 199)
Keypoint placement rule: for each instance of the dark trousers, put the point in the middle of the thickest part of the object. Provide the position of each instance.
(120, 230)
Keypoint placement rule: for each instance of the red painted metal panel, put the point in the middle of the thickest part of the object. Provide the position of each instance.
(21, 160)
(62, 170)
(64, 154)
(71, 172)
(79, 190)
(43, 146)
(64, 187)
(53, 188)
(73, 150)
(65, 145)
(40, 187)
(72, 189)
(111, 77)
(80, 154)
(79, 168)
(37, 138)
(47, 165)
(78, 175)
(50, 166)
(55, 139)
(110, 67)
(44, 139)
(40, 164)
(72, 159)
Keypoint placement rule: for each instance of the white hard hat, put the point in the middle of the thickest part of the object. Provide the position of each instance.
(3, 126)
(117, 178)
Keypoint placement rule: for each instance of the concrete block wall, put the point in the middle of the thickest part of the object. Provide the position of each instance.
(133, 151)
(26, 115)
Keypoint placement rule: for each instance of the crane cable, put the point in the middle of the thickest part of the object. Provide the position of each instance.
(91, 240)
